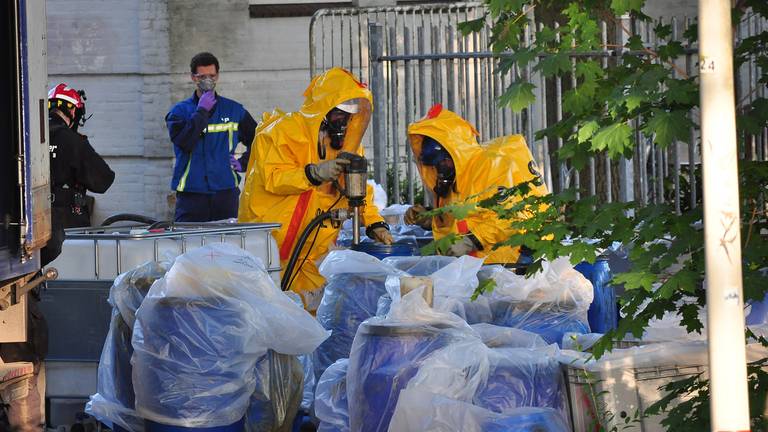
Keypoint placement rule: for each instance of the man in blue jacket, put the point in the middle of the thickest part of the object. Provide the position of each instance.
(205, 130)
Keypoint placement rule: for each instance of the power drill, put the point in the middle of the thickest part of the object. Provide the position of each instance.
(355, 177)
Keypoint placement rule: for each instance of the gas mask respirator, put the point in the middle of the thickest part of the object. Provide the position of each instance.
(206, 84)
(446, 177)
(335, 125)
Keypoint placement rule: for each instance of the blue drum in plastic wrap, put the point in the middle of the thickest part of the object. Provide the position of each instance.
(403, 247)
(349, 299)
(550, 325)
(238, 426)
(603, 312)
(534, 420)
(177, 329)
(388, 357)
(522, 378)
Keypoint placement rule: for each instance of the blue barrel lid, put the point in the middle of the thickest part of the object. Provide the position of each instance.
(404, 247)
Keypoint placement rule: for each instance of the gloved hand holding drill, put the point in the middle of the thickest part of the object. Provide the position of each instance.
(325, 171)
(415, 216)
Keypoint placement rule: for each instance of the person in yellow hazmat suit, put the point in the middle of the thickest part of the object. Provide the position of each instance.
(456, 168)
(292, 167)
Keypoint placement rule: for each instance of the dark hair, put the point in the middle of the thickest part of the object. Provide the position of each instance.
(203, 59)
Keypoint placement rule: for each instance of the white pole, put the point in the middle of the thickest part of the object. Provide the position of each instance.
(725, 305)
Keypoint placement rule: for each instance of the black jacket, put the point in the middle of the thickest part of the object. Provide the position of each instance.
(75, 169)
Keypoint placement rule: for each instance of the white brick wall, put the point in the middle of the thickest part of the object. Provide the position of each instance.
(118, 51)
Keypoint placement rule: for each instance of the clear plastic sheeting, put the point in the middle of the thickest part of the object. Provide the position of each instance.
(557, 284)
(114, 401)
(522, 377)
(422, 411)
(308, 397)
(550, 303)
(278, 394)
(471, 311)
(419, 266)
(494, 336)
(331, 406)
(454, 280)
(388, 351)
(497, 379)
(355, 282)
(201, 331)
(394, 214)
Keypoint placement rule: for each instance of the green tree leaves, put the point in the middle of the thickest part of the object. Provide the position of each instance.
(621, 7)
(518, 96)
(668, 126)
(616, 138)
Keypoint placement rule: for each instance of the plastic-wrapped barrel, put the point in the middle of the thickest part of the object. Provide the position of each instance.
(603, 312)
(349, 299)
(533, 420)
(120, 360)
(551, 325)
(383, 360)
(238, 426)
(405, 247)
(521, 377)
(195, 381)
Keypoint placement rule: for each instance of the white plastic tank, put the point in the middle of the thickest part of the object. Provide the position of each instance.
(102, 254)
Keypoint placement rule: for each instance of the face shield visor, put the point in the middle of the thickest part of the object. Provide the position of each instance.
(345, 125)
(433, 154)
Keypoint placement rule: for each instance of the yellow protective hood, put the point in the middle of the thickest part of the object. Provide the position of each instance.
(329, 89)
(455, 134)
(480, 171)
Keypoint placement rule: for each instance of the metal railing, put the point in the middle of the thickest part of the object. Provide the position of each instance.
(415, 57)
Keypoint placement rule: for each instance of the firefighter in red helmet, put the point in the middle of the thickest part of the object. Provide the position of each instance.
(75, 169)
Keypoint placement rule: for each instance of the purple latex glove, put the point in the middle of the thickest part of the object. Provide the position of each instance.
(235, 164)
(207, 100)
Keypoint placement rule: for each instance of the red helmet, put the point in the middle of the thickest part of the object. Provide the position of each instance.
(63, 94)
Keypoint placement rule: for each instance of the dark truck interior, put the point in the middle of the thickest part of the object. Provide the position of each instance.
(9, 134)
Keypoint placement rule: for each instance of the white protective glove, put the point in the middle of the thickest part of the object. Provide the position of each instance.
(327, 171)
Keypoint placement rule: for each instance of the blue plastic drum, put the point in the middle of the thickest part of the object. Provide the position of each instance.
(349, 299)
(603, 312)
(522, 378)
(550, 325)
(543, 420)
(238, 426)
(178, 328)
(389, 356)
(405, 247)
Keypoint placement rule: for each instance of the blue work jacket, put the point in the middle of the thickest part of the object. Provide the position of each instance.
(204, 142)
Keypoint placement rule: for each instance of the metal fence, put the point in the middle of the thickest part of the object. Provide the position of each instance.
(415, 56)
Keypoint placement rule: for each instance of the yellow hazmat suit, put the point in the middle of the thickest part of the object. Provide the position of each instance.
(276, 186)
(480, 171)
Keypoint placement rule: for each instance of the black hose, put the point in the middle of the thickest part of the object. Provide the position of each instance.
(285, 282)
(160, 225)
(128, 217)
